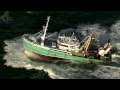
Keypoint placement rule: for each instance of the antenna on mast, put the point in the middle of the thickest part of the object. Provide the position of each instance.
(45, 28)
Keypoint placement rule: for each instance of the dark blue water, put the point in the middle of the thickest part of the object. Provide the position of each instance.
(13, 66)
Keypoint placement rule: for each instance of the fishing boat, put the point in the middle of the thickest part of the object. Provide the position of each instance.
(70, 46)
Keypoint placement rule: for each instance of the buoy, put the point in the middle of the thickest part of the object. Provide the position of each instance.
(102, 52)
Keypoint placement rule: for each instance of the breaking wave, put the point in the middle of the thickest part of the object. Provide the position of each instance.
(16, 58)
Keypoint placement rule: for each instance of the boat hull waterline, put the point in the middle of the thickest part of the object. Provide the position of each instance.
(49, 54)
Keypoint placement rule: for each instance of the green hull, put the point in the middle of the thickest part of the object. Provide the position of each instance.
(50, 52)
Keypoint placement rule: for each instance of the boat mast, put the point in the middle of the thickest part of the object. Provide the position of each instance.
(45, 30)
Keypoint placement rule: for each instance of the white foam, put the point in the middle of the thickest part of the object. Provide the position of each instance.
(29, 12)
(17, 59)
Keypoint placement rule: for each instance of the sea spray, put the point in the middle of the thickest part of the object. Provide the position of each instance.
(16, 58)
